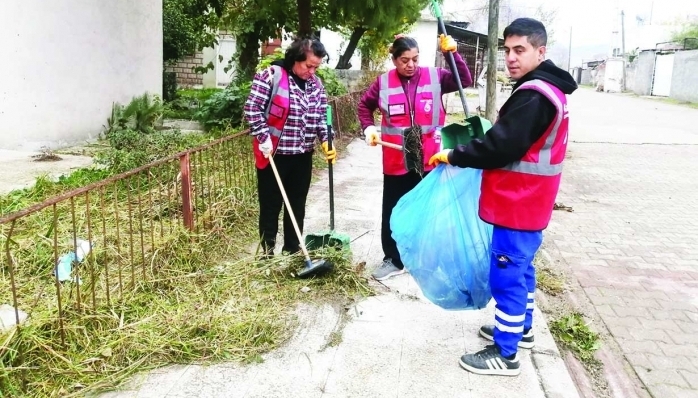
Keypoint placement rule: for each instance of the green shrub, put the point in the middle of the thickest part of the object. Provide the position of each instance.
(333, 85)
(224, 108)
(131, 149)
(187, 102)
(141, 115)
(134, 140)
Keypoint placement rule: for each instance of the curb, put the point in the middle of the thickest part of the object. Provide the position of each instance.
(620, 378)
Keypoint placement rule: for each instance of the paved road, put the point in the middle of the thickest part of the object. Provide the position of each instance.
(632, 240)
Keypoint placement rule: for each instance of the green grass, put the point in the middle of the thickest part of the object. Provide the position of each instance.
(573, 333)
(693, 105)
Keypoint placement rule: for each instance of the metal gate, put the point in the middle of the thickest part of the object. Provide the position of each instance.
(663, 70)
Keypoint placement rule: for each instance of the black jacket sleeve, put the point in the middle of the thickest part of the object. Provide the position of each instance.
(527, 116)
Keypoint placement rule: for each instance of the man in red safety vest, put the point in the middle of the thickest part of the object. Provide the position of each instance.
(521, 157)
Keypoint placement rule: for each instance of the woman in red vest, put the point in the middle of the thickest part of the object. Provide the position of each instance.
(286, 110)
(409, 99)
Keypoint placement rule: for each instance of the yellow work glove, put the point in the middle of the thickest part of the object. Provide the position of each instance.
(448, 44)
(371, 134)
(441, 157)
(329, 155)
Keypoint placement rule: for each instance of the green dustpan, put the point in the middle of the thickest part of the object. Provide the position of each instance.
(456, 134)
(475, 126)
(331, 238)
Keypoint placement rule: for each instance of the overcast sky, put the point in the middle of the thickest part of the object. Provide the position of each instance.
(593, 21)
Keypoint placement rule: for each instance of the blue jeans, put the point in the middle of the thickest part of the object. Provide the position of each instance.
(513, 283)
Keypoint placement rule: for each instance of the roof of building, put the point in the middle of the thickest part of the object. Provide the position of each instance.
(461, 34)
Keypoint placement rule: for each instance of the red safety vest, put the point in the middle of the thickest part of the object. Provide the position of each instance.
(395, 108)
(522, 194)
(276, 113)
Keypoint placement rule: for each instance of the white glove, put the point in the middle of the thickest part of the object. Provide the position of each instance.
(266, 147)
(371, 134)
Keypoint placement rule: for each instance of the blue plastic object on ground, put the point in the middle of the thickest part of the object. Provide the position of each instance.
(443, 243)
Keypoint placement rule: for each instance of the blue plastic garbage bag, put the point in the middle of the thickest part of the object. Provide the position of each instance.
(442, 241)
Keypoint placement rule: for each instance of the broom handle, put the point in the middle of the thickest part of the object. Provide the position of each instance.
(389, 145)
(329, 165)
(288, 207)
(451, 60)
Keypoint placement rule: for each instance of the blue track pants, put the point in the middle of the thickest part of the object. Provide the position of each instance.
(513, 283)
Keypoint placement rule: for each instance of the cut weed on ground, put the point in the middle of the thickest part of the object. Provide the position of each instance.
(195, 308)
(197, 298)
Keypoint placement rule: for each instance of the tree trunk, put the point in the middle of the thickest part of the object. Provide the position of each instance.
(305, 28)
(248, 50)
(356, 35)
(492, 47)
(365, 62)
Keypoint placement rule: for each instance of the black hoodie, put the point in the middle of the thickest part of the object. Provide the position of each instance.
(523, 119)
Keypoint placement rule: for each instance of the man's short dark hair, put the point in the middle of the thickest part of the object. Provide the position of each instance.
(533, 29)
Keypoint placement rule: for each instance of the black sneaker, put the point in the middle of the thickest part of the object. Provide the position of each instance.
(490, 362)
(487, 332)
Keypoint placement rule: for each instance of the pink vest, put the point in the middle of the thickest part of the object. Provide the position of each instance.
(394, 106)
(276, 113)
(522, 194)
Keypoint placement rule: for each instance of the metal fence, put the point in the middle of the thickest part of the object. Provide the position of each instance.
(85, 248)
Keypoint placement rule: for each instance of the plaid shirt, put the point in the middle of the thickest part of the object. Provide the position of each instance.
(306, 118)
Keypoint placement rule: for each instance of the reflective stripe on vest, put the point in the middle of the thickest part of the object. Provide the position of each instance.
(280, 97)
(278, 88)
(434, 87)
(543, 167)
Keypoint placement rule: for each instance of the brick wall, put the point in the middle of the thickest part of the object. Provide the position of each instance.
(184, 70)
(269, 46)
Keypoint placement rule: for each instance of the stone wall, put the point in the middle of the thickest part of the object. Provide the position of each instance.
(354, 79)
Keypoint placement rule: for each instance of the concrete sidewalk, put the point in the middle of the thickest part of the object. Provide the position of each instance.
(20, 170)
(396, 344)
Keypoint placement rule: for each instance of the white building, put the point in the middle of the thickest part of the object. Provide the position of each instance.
(66, 62)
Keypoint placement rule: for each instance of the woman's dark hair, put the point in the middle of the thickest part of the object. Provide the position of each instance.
(298, 50)
(402, 44)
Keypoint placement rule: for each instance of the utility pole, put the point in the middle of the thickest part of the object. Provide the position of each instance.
(622, 49)
(569, 52)
(492, 51)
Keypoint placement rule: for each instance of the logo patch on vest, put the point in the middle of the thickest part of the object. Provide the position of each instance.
(427, 105)
(396, 109)
(276, 111)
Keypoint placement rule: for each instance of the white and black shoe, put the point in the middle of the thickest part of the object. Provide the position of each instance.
(527, 340)
(490, 362)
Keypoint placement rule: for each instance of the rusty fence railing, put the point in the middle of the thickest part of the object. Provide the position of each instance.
(85, 248)
(94, 243)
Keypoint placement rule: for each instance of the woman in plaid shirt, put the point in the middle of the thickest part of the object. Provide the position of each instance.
(286, 110)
